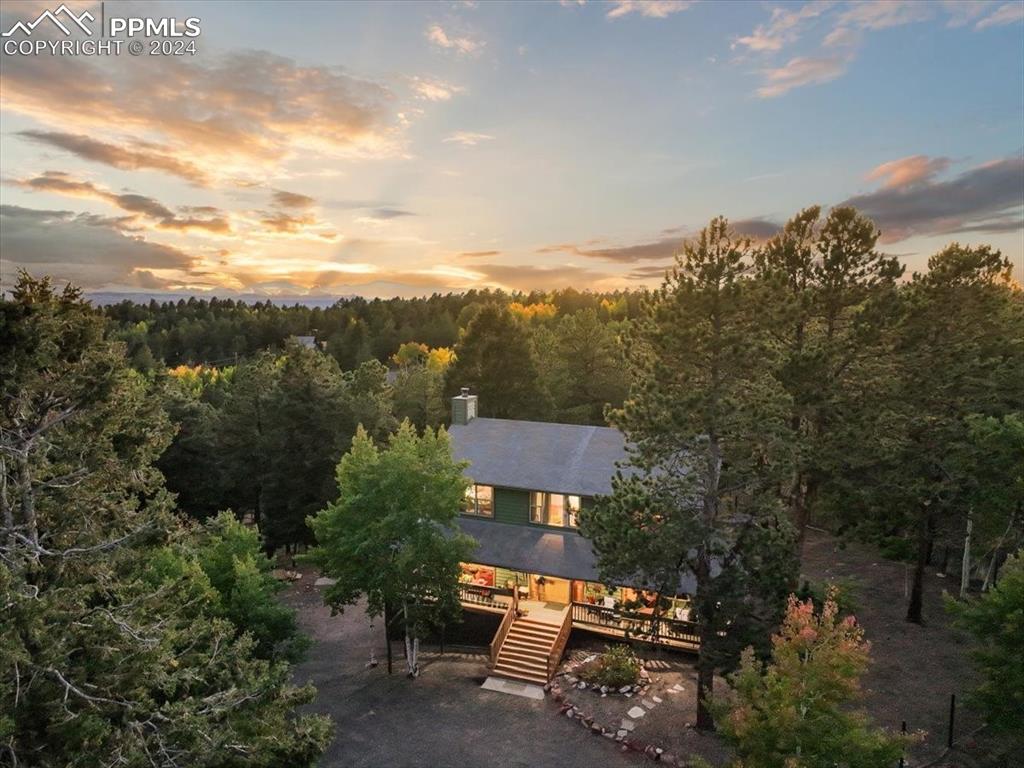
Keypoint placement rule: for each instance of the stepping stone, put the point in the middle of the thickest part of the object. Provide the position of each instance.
(656, 700)
(324, 581)
(637, 712)
(627, 725)
(647, 703)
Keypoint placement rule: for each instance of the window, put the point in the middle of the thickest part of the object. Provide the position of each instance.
(554, 509)
(480, 500)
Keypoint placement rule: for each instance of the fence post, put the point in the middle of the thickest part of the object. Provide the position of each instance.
(903, 730)
(952, 718)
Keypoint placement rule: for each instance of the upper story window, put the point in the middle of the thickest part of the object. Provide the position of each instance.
(480, 501)
(554, 509)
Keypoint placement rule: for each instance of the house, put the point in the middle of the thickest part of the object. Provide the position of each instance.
(309, 342)
(529, 481)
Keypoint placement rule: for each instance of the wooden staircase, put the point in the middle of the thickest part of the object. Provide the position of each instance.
(526, 650)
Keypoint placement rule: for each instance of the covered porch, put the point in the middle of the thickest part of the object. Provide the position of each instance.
(666, 623)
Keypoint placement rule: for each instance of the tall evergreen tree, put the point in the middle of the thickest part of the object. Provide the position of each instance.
(106, 657)
(705, 423)
(495, 360)
(829, 292)
(958, 354)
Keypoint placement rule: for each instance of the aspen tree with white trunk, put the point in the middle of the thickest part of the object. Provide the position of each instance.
(390, 538)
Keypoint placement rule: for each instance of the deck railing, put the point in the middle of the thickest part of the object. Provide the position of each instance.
(485, 596)
(636, 626)
(511, 611)
(560, 642)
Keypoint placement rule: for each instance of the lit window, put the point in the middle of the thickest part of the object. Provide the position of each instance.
(554, 509)
(572, 511)
(480, 500)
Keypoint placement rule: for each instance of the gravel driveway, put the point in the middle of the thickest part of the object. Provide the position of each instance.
(441, 720)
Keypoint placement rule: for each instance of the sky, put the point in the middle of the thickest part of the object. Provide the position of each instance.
(387, 149)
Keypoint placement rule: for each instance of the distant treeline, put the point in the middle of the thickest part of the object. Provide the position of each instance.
(220, 331)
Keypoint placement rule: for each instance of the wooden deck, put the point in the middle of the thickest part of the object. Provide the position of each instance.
(671, 633)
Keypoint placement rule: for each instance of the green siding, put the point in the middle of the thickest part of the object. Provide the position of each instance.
(511, 506)
(503, 575)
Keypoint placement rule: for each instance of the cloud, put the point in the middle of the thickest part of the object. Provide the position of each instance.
(467, 138)
(871, 14)
(756, 228)
(908, 170)
(652, 9)
(480, 254)
(56, 182)
(386, 214)
(626, 254)
(432, 89)
(783, 28)
(461, 45)
(988, 198)
(654, 272)
(800, 71)
(1011, 13)
(243, 110)
(521, 277)
(664, 248)
(285, 199)
(81, 248)
(141, 157)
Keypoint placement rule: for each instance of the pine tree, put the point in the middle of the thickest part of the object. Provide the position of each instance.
(705, 424)
(829, 298)
(495, 360)
(111, 653)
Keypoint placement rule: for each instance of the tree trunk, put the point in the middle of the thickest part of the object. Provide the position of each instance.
(965, 568)
(705, 687)
(914, 610)
(387, 633)
(705, 665)
(412, 647)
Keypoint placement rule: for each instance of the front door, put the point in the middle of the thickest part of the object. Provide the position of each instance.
(550, 589)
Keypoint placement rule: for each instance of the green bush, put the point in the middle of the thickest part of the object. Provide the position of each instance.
(616, 667)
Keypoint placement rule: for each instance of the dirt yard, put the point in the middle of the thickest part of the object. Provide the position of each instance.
(914, 668)
(445, 717)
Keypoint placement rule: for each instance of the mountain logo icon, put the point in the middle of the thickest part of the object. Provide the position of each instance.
(54, 16)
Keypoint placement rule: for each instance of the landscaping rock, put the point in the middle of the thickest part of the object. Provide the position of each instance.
(626, 689)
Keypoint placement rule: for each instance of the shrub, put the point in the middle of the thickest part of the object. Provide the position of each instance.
(843, 592)
(996, 620)
(616, 667)
(797, 710)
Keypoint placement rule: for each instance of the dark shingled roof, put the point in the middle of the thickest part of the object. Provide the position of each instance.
(536, 549)
(532, 548)
(537, 456)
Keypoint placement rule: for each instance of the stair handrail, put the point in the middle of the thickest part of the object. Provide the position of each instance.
(560, 642)
(504, 627)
